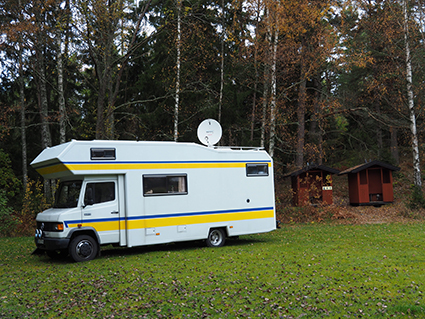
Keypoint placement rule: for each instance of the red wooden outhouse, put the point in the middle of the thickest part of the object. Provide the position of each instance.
(312, 185)
(371, 183)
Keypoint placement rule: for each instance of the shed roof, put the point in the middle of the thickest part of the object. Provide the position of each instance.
(358, 168)
(310, 168)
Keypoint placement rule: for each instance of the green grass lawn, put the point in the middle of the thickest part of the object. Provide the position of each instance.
(303, 270)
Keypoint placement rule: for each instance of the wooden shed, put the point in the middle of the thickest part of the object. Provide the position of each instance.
(312, 185)
(371, 183)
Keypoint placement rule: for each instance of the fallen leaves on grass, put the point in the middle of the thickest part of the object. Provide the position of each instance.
(303, 270)
(396, 212)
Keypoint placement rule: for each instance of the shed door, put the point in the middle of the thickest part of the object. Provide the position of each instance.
(101, 208)
(375, 185)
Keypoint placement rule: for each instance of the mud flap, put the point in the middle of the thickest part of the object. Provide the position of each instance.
(38, 251)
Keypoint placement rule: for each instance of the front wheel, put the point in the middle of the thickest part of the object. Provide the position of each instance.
(83, 248)
(216, 238)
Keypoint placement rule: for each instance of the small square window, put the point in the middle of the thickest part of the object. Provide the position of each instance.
(102, 153)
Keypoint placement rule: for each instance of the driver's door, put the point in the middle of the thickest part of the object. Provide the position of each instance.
(101, 208)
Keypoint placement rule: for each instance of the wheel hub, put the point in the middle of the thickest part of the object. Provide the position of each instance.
(84, 249)
(215, 238)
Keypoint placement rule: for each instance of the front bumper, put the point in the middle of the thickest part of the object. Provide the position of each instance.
(51, 243)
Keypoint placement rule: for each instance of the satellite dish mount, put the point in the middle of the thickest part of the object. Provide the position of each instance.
(209, 132)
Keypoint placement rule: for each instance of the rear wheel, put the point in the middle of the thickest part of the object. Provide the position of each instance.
(83, 248)
(216, 238)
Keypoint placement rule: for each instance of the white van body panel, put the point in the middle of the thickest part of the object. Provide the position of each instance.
(217, 190)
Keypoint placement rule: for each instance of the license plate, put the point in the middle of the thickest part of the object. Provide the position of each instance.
(40, 241)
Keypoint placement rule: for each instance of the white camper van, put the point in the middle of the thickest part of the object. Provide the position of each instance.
(130, 193)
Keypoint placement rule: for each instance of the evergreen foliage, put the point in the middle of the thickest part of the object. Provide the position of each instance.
(8, 221)
(340, 74)
(417, 200)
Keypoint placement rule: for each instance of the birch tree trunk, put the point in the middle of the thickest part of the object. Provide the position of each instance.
(320, 142)
(379, 140)
(220, 102)
(273, 95)
(62, 120)
(417, 181)
(265, 103)
(266, 77)
(299, 159)
(23, 126)
(254, 98)
(22, 110)
(100, 125)
(46, 139)
(315, 126)
(394, 145)
(110, 110)
(176, 107)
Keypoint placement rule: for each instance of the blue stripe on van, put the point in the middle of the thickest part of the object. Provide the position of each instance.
(117, 219)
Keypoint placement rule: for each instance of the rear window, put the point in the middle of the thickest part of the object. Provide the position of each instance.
(260, 169)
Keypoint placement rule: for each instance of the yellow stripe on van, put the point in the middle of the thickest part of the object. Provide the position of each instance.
(173, 221)
(99, 226)
(86, 167)
(200, 219)
(52, 169)
(57, 168)
(122, 224)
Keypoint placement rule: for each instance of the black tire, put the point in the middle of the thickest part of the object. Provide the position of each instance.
(83, 248)
(216, 237)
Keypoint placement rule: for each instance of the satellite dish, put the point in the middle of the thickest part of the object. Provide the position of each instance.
(209, 132)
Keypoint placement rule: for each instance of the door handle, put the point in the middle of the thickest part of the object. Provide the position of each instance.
(114, 212)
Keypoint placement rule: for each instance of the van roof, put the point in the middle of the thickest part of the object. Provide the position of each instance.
(117, 157)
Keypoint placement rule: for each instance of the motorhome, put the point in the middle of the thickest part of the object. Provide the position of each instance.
(134, 193)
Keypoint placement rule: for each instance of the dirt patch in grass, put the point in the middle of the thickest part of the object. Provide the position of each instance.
(391, 213)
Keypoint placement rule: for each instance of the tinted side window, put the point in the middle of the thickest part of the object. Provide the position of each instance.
(164, 184)
(99, 193)
(68, 194)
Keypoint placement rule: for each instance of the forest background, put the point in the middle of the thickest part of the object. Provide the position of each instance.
(329, 82)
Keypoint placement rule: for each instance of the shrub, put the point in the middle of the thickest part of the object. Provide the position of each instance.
(417, 200)
(8, 181)
(34, 202)
(8, 221)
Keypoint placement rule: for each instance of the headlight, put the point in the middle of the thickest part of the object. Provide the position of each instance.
(58, 227)
(50, 226)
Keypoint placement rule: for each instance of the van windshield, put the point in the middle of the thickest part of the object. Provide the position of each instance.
(67, 194)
